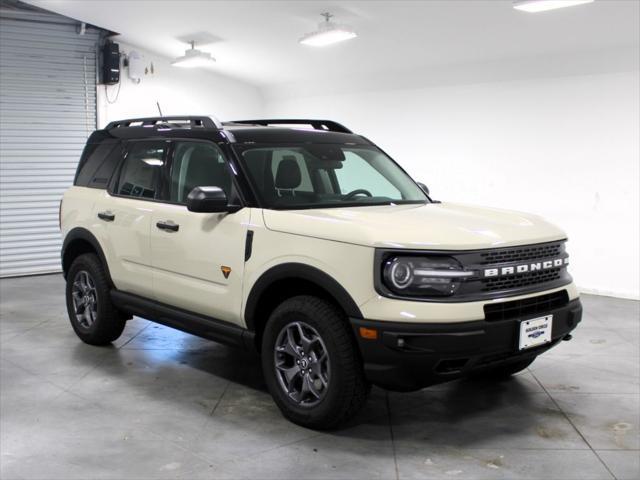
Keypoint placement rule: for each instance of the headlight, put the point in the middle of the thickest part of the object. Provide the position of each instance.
(423, 276)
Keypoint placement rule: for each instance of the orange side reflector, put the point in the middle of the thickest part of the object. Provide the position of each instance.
(225, 271)
(368, 333)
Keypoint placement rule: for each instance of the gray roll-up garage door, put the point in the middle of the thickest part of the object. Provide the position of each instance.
(47, 111)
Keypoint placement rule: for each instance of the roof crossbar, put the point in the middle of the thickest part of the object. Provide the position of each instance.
(167, 122)
(327, 125)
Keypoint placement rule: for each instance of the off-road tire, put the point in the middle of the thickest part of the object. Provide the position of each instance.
(347, 390)
(109, 322)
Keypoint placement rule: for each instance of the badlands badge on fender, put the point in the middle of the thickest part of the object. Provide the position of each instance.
(225, 271)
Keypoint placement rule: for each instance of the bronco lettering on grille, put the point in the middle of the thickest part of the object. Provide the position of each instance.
(525, 267)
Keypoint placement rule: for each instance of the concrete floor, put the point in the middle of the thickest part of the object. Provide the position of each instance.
(163, 404)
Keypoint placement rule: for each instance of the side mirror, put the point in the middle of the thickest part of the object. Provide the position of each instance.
(209, 200)
(424, 188)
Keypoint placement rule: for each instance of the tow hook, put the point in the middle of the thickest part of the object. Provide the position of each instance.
(567, 337)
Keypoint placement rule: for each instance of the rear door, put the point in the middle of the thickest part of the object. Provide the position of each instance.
(124, 215)
(198, 258)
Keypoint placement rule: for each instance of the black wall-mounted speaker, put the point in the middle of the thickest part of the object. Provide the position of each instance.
(110, 64)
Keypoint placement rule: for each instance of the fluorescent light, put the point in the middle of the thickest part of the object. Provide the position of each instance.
(322, 39)
(194, 58)
(154, 162)
(328, 33)
(543, 5)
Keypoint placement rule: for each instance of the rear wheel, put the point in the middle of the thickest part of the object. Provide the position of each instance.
(93, 317)
(311, 363)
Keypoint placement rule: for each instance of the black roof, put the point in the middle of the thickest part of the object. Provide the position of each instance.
(242, 131)
(253, 134)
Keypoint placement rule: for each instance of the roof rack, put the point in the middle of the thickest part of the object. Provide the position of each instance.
(167, 122)
(326, 125)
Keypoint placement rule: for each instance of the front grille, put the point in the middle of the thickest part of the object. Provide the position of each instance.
(520, 280)
(525, 307)
(520, 254)
(498, 272)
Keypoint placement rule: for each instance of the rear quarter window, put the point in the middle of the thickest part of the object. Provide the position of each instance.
(98, 162)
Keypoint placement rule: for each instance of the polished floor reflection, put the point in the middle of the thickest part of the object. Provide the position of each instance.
(163, 404)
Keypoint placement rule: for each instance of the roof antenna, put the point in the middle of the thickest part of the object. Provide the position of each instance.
(160, 110)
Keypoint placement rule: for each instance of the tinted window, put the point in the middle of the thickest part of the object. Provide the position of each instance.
(93, 156)
(140, 173)
(197, 164)
(104, 173)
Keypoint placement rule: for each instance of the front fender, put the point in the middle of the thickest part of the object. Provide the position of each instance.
(294, 270)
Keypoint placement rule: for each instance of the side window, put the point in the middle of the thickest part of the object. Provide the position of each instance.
(198, 164)
(93, 157)
(140, 173)
(110, 164)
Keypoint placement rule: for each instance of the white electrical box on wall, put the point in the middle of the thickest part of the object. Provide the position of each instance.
(136, 66)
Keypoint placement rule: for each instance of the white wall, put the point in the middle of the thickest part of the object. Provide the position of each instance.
(566, 148)
(180, 91)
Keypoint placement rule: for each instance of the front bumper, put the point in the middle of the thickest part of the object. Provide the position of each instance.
(430, 353)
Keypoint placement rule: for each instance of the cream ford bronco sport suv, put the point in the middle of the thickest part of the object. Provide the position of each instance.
(313, 247)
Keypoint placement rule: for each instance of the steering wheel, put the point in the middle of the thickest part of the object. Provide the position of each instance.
(359, 191)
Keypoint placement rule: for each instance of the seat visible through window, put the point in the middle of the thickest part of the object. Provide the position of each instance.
(141, 170)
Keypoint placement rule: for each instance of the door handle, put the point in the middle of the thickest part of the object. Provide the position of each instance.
(168, 225)
(106, 216)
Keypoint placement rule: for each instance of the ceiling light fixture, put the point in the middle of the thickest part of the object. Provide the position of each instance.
(328, 33)
(535, 6)
(194, 58)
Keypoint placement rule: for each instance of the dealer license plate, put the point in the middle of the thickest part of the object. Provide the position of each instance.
(535, 332)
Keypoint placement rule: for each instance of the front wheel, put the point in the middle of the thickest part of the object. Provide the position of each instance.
(93, 317)
(311, 363)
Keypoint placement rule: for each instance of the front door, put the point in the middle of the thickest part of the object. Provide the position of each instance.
(198, 258)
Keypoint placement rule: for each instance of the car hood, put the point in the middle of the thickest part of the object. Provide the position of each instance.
(437, 226)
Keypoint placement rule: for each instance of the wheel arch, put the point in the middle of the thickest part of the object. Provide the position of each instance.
(287, 280)
(77, 242)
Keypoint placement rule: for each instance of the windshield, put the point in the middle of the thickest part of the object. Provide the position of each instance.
(323, 175)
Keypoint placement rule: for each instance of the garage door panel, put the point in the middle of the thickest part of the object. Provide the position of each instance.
(39, 241)
(57, 187)
(33, 267)
(29, 102)
(47, 29)
(43, 143)
(16, 37)
(39, 231)
(15, 78)
(48, 103)
(55, 106)
(46, 172)
(13, 85)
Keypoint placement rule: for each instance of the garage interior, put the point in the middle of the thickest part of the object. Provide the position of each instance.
(485, 103)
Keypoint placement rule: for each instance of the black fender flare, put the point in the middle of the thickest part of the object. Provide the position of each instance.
(82, 234)
(298, 271)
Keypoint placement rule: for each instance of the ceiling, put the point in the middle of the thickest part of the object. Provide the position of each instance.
(257, 41)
